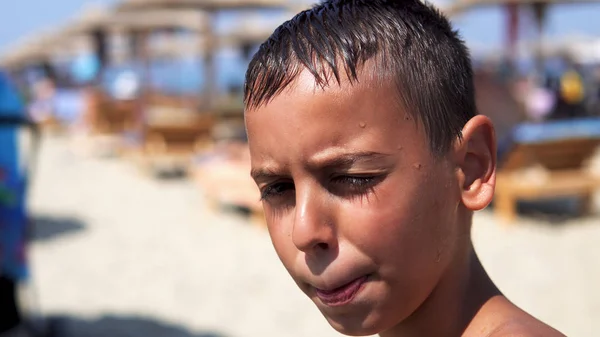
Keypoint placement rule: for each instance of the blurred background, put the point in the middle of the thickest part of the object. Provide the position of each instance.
(126, 206)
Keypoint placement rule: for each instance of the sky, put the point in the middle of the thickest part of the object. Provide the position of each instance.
(482, 27)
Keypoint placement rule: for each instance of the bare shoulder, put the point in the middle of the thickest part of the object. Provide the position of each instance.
(525, 327)
(501, 318)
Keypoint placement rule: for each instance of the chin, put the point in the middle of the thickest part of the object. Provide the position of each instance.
(350, 328)
(352, 323)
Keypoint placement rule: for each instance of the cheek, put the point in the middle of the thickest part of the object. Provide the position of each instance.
(279, 238)
(282, 242)
(404, 226)
(404, 231)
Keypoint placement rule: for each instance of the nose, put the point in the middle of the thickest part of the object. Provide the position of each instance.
(314, 230)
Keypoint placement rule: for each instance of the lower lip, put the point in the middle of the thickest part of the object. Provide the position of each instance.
(343, 295)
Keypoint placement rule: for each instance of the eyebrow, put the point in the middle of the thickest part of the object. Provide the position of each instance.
(326, 161)
(347, 159)
(262, 174)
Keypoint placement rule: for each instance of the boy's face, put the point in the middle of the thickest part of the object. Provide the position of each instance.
(361, 214)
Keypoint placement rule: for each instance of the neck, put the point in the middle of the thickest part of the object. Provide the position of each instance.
(453, 304)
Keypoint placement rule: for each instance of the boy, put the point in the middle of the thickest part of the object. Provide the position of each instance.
(371, 159)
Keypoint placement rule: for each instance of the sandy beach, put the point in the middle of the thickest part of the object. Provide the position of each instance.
(118, 253)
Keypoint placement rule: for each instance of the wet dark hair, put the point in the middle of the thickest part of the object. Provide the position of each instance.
(411, 43)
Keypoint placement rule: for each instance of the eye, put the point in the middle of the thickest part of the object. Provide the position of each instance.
(354, 181)
(276, 190)
(355, 184)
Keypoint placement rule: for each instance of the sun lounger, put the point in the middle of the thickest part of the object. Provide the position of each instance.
(224, 177)
(174, 134)
(547, 160)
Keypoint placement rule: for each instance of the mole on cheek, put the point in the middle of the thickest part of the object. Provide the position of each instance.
(362, 125)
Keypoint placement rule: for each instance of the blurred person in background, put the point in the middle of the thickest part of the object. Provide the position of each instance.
(594, 93)
(13, 219)
(571, 95)
(41, 108)
(539, 101)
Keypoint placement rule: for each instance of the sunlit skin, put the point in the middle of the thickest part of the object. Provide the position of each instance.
(351, 189)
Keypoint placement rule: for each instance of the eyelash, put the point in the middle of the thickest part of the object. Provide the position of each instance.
(271, 191)
(359, 185)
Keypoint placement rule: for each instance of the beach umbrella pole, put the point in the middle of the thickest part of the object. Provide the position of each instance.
(539, 11)
(210, 71)
(512, 34)
(141, 54)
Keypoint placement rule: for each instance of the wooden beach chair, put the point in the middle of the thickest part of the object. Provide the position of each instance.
(105, 121)
(108, 116)
(224, 177)
(51, 125)
(547, 160)
(174, 131)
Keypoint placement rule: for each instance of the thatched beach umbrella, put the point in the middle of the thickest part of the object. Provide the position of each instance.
(21, 54)
(156, 19)
(249, 31)
(208, 5)
(42, 46)
(98, 22)
(33, 50)
(460, 6)
(178, 47)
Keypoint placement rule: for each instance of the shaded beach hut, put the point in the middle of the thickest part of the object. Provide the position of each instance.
(99, 23)
(227, 114)
(211, 40)
(152, 120)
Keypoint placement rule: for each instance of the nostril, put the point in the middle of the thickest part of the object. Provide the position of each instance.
(323, 246)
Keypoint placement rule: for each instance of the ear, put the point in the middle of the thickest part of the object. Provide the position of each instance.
(475, 157)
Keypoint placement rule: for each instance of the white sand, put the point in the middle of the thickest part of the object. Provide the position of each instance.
(151, 249)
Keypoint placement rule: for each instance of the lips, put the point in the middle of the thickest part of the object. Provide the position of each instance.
(342, 295)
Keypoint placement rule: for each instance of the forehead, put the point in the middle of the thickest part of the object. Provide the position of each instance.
(306, 118)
